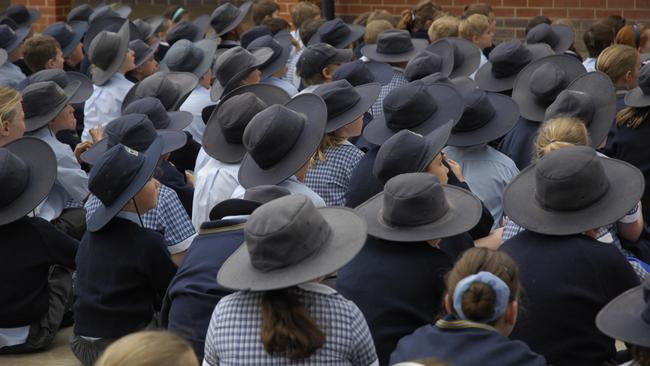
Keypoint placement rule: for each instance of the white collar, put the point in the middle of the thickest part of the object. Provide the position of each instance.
(131, 216)
(318, 288)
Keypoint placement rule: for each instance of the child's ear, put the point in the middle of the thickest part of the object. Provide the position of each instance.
(327, 73)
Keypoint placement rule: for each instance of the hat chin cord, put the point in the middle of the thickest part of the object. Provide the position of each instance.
(137, 211)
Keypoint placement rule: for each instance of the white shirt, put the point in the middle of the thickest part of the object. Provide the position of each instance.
(215, 182)
(71, 186)
(198, 99)
(590, 64)
(293, 185)
(105, 104)
(281, 83)
(10, 75)
(483, 61)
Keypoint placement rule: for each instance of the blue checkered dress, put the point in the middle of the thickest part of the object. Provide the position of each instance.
(234, 333)
(398, 80)
(330, 178)
(169, 218)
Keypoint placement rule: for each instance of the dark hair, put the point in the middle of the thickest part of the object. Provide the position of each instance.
(616, 22)
(174, 13)
(309, 28)
(598, 37)
(479, 300)
(264, 9)
(275, 24)
(479, 8)
(38, 50)
(640, 355)
(287, 327)
(537, 21)
(416, 19)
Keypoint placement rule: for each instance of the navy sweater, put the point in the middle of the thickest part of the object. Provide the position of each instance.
(566, 281)
(122, 274)
(519, 143)
(29, 247)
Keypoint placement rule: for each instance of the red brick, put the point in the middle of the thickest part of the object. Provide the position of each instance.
(393, 2)
(540, 3)
(593, 3)
(554, 13)
(636, 14)
(527, 12)
(605, 13)
(504, 12)
(620, 4)
(566, 3)
(455, 10)
(515, 3)
(642, 4)
(581, 13)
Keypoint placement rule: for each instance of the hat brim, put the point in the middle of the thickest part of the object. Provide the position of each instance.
(626, 185)
(464, 212)
(3, 57)
(529, 106)
(381, 72)
(621, 318)
(79, 29)
(565, 34)
(185, 82)
(202, 22)
(101, 76)
(344, 243)
(262, 55)
(281, 61)
(313, 107)
(147, 55)
(103, 24)
(243, 11)
(85, 87)
(103, 214)
(34, 123)
(505, 117)
(215, 143)
(209, 48)
(21, 34)
(171, 141)
(40, 159)
(155, 21)
(233, 207)
(179, 120)
(450, 107)
(445, 50)
(471, 57)
(636, 98)
(368, 93)
(488, 82)
(370, 51)
(356, 32)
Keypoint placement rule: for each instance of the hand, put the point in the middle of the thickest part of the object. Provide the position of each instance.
(80, 148)
(455, 168)
(492, 241)
(189, 178)
(96, 134)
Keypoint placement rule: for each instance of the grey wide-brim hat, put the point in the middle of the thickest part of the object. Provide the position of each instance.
(41, 162)
(467, 56)
(253, 198)
(101, 75)
(315, 111)
(370, 51)
(639, 97)
(623, 317)
(561, 32)
(347, 237)
(233, 23)
(103, 214)
(520, 202)
(3, 56)
(260, 57)
(141, 58)
(21, 34)
(172, 140)
(81, 95)
(280, 61)
(175, 53)
(463, 213)
(183, 82)
(75, 30)
(35, 119)
(111, 25)
(355, 33)
(214, 142)
(368, 94)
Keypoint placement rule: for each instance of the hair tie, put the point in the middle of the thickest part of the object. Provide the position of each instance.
(497, 285)
(637, 35)
(177, 13)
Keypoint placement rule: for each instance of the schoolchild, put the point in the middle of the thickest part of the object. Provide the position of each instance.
(476, 29)
(482, 301)
(622, 64)
(12, 117)
(37, 258)
(597, 38)
(558, 36)
(111, 59)
(561, 226)
(445, 26)
(467, 57)
(427, 63)
(264, 9)
(337, 33)
(318, 62)
(486, 10)
(48, 111)
(69, 36)
(145, 63)
(191, 30)
(123, 269)
(195, 58)
(42, 52)
(149, 28)
(11, 42)
(171, 88)
(193, 293)
(289, 246)
(418, 19)
(332, 165)
(275, 68)
(236, 67)
(227, 20)
(301, 13)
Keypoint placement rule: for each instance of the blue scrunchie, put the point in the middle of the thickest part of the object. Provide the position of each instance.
(498, 286)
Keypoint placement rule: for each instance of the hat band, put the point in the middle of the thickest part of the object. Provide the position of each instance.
(555, 197)
(395, 48)
(267, 153)
(397, 121)
(475, 118)
(408, 217)
(349, 102)
(512, 66)
(39, 105)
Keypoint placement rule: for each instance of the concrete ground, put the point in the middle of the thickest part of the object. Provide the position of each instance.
(58, 354)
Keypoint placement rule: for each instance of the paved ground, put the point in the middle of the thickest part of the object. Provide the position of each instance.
(58, 354)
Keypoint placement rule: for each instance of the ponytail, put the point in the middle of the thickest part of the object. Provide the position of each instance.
(287, 327)
(558, 133)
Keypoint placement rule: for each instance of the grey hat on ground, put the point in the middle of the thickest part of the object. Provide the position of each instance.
(281, 139)
(143, 52)
(288, 241)
(346, 103)
(254, 197)
(539, 83)
(27, 176)
(627, 317)
(426, 63)
(639, 97)
(227, 17)
(159, 116)
(192, 57)
(558, 36)
(394, 46)
(409, 152)
(234, 65)
(416, 207)
(337, 33)
(572, 190)
(63, 79)
(281, 46)
(591, 98)
(43, 101)
(107, 52)
(467, 56)
(171, 88)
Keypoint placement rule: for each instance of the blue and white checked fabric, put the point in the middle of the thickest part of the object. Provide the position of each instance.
(234, 333)
(398, 80)
(169, 218)
(330, 178)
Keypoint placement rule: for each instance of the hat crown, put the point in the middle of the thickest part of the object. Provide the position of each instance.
(114, 172)
(356, 73)
(184, 56)
(18, 13)
(402, 153)
(182, 30)
(339, 97)
(40, 98)
(547, 81)
(644, 79)
(103, 12)
(223, 15)
(153, 109)
(14, 176)
(543, 33)
(285, 232)
(138, 47)
(7, 36)
(253, 34)
(265, 193)
(58, 76)
(270, 42)
(572, 103)
(394, 41)
(570, 179)
(144, 27)
(508, 58)
(231, 62)
(413, 199)
(158, 86)
(272, 133)
(81, 12)
(236, 113)
(334, 31)
(408, 106)
(134, 131)
(478, 111)
(102, 50)
(60, 31)
(423, 64)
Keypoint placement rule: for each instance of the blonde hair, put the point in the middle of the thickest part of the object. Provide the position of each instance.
(149, 348)
(10, 100)
(558, 133)
(381, 14)
(330, 139)
(446, 26)
(632, 117)
(302, 12)
(616, 61)
(473, 26)
(374, 28)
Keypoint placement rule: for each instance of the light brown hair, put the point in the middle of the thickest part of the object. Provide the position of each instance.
(10, 100)
(275, 24)
(382, 14)
(303, 11)
(309, 28)
(558, 133)
(38, 50)
(478, 8)
(628, 35)
(632, 117)
(416, 19)
(330, 139)
(374, 28)
(149, 348)
(473, 26)
(446, 26)
(263, 9)
(616, 61)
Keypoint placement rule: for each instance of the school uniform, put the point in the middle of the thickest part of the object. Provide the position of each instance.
(215, 182)
(590, 64)
(397, 80)
(172, 178)
(482, 62)
(363, 183)
(185, 157)
(281, 83)
(464, 343)
(567, 280)
(10, 75)
(293, 185)
(399, 287)
(519, 143)
(198, 99)
(105, 104)
(193, 292)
